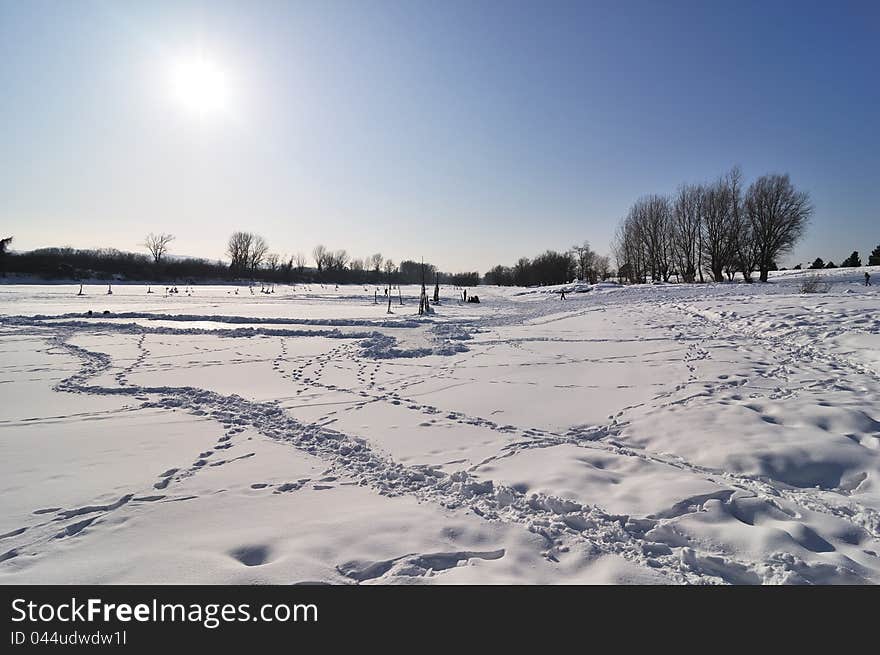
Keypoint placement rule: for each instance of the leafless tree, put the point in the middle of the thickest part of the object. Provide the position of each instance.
(337, 260)
(273, 259)
(716, 209)
(778, 215)
(744, 243)
(239, 250)
(259, 250)
(319, 253)
(357, 265)
(157, 245)
(585, 259)
(714, 227)
(602, 267)
(375, 262)
(629, 248)
(686, 231)
(653, 214)
(300, 261)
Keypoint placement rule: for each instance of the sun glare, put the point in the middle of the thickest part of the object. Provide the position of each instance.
(200, 85)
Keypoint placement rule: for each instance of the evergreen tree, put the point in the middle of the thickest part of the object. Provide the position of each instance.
(830, 265)
(874, 259)
(852, 261)
(818, 263)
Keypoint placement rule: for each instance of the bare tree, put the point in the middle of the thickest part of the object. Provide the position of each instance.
(300, 260)
(585, 259)
(717, 218)
(320, 253)
(273, 259)
(686, 231)
(744, 243)
(239, 250)
(653, 215)
(778, 215)
(375, 262)
(602, 267)
(629, 248)
(337, 260)
(157, 245)
(259, 250)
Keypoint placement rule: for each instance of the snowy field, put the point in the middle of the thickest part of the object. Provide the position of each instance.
(650, 434)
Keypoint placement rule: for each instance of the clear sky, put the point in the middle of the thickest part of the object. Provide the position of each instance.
(468, 133)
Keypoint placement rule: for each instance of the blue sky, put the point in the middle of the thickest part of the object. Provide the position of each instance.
(467, 133)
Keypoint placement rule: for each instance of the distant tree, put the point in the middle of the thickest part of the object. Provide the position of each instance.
(797, 267)
(522, 272)
(239, 250)
(778, 214)
(390, 269)
(157, 245)
(319, 253)
(259, 250)
(602, 266)
(375, 262)
(299, 260)
(336, 261)
(817, 263)
(874, 259)
(585, 259)
(853, 261)
(4, 247)
(273, 261)
(410, 272)
(830, 265)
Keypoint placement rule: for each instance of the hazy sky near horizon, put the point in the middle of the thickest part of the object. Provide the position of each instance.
(467, 133)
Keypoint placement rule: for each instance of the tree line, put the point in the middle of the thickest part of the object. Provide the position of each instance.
(249, 258)
(250, 255)
(553, 267)
(709, 229)
(853, 261)
(717, 230)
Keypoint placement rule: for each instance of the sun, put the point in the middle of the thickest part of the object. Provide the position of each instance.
(200, 85)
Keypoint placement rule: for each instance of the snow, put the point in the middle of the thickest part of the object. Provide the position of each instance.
(668, 433)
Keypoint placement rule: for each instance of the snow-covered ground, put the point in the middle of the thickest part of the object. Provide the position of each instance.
(646, 434)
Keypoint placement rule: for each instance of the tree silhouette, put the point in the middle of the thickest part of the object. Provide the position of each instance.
(4, 246)
(157, 244)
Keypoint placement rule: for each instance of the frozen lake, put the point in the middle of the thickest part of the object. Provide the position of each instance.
(648, 434)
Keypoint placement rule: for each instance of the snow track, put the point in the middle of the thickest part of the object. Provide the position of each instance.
(623, 455)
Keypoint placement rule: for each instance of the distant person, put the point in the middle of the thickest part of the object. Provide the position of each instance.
(464, 295)
(867, 279)
(562, 296)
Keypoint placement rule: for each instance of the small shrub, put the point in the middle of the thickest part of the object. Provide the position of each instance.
(814, 284)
